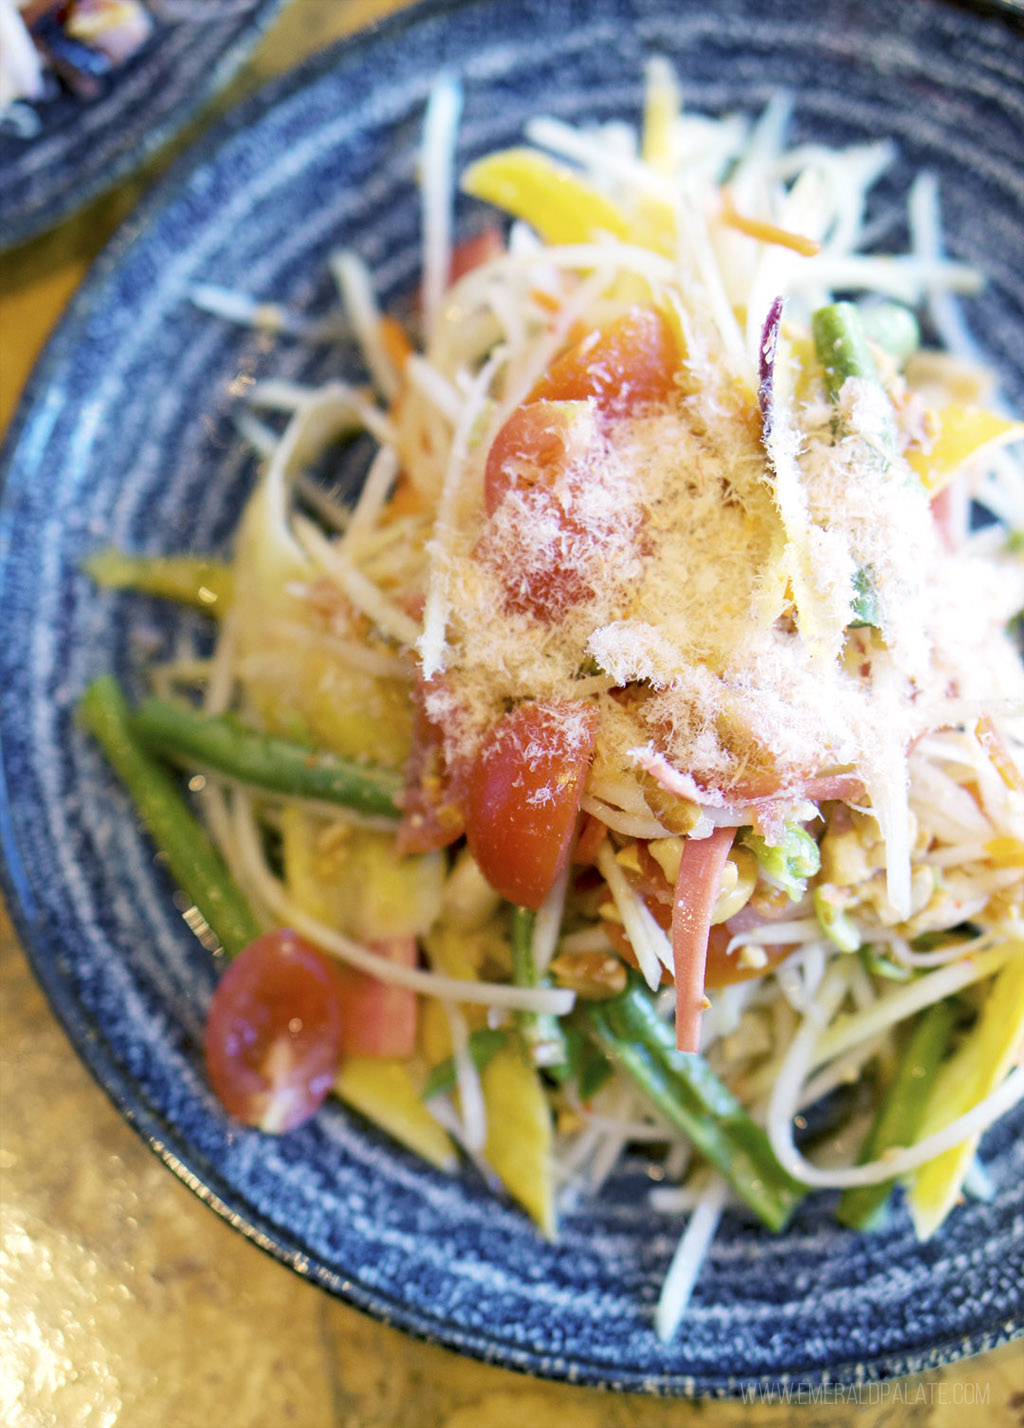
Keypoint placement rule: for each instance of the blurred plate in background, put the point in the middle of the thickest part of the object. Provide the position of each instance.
(81, 147)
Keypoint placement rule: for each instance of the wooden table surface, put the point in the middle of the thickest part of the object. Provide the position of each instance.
(123, 1300)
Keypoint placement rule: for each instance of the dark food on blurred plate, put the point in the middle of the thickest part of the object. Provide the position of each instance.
(77, 43)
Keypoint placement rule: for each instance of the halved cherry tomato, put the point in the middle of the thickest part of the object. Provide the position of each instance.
(273, 1035)
(541, 455)
(432, 815)
(475, 250)
(524, 796)
(724, 968)
(536, 448)
(627, 365)
(548, 450)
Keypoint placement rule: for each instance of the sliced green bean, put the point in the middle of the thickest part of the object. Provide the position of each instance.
(842, 346)
(543, 1038)
(484, 1043)
(900, 1113)
(789, 862)
(892, 327)
(587, 1062)
(878, 965)
(224, 745)
(682, 1086)
(194, 862)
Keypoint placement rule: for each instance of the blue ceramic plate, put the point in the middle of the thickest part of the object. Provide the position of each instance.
(82, 147)
(126, 436)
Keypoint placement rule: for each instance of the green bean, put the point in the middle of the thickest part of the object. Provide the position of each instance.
(892, 327)
(898, 1120)
(193, 860)
(842, 346)
(484, 1043)
(587, 1062)
(223, 744)
(844, 352)
(864, 605)
(682, 1086)
(543, 1038)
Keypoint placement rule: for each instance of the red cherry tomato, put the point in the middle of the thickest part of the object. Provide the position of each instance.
(535, 448)
(273, 1036)
(724, 968)
(474, 251)
(629, 364)
(524, 796)
(540, 454)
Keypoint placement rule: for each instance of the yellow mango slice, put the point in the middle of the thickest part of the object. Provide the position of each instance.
(384, 1091)
(435, 1037)
(556, 203)
(520, 1134)
(959, 433)
(189, 579)
(1006, 852)
(293, 672)
(353, 879)
(972, 1073)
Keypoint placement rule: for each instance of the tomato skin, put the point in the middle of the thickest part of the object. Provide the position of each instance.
(591, 836)
(273, 1034)
(475, 250)
(432, 815)
(524, 795)
(627, 365)
(379, 1018)
(547, 451)
(534, 448)
(537, 456)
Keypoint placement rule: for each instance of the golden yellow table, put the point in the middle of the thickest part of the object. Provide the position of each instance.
(123, 1300)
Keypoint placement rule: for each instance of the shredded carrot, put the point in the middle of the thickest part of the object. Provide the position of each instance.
(696, 892)
(766, 232)
(545, 301)
(395, 342)
(406, 500)
(1002, 760)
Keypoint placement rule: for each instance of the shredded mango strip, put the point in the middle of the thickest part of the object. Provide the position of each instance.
(985, 1058)
(959, 434)
(561, 207)
(395, 342)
